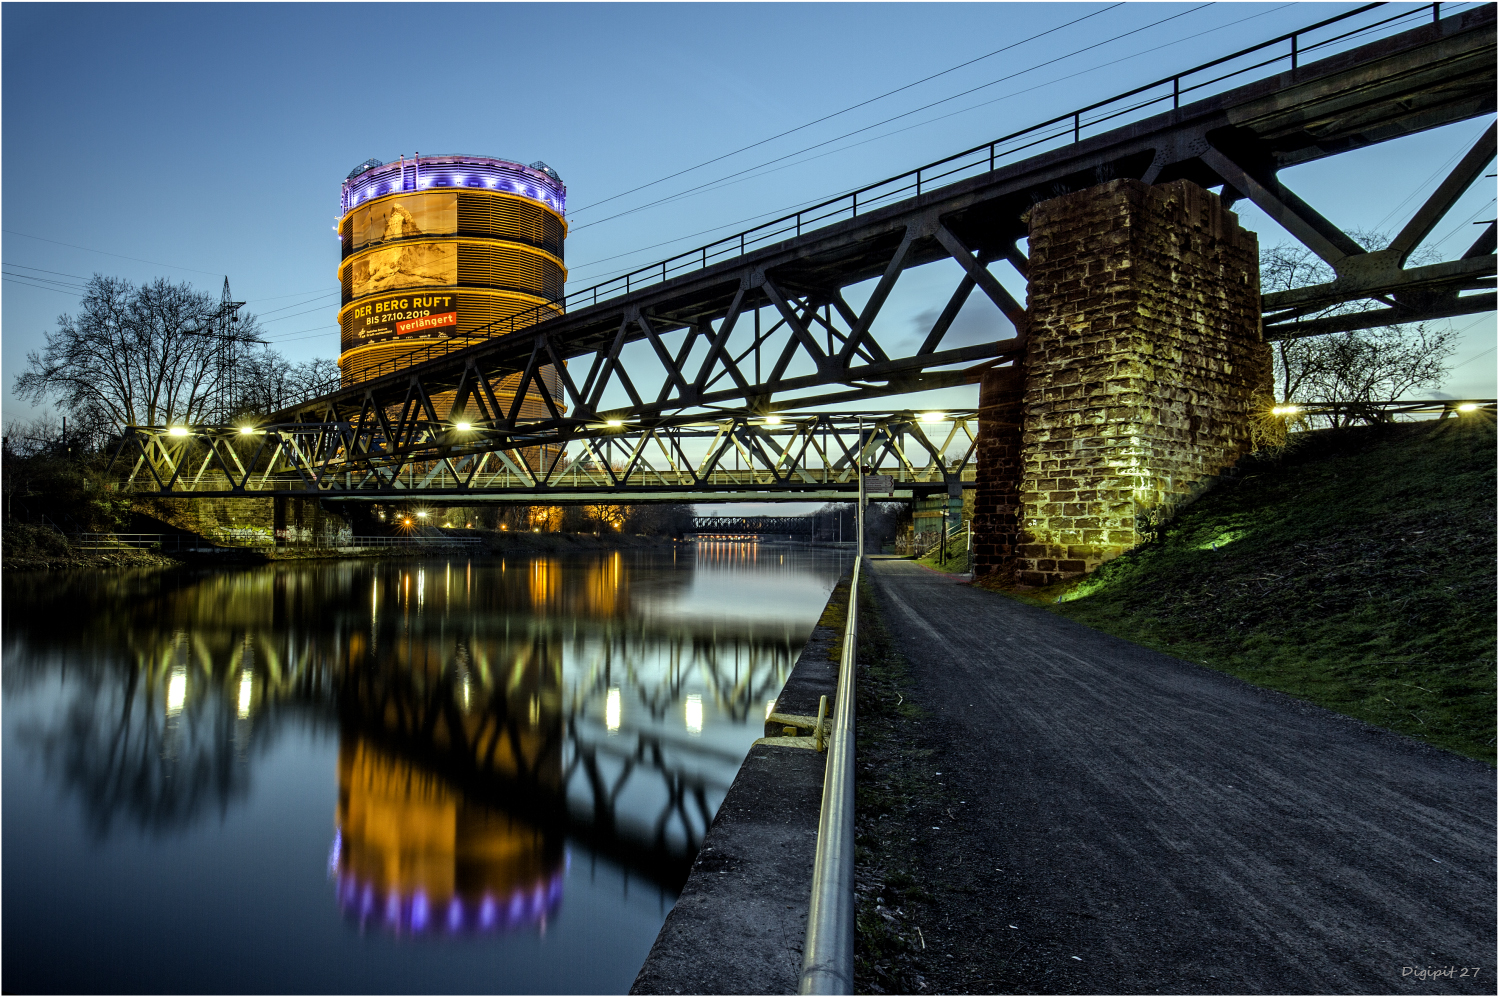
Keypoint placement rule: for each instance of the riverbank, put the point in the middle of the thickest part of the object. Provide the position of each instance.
(41, 548)
(24, 547)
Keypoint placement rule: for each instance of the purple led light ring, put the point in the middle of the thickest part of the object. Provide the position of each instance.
(454, 173)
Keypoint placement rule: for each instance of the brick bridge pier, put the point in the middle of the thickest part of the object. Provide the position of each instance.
(1143, 372)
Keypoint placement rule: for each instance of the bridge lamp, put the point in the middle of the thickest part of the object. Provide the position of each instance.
(462, 427)
(422, 514)
(932, 416)
(246, 430)
(178, 431)
(1285, 410)
(1468, 407)
(614, 423)
(773, 420)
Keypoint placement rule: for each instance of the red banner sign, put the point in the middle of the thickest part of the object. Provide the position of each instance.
(426, 322)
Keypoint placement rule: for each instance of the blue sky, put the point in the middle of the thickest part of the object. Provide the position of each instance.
(204, 140)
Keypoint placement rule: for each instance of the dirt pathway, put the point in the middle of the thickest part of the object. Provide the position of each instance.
(1113, 820)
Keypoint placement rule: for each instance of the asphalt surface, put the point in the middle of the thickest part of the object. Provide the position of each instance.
(1128, 822)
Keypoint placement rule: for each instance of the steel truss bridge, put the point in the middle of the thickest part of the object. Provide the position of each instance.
(748, 327)
(780, 526)
(798, 457)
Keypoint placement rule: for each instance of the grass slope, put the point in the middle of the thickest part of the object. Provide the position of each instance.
(1356, 571)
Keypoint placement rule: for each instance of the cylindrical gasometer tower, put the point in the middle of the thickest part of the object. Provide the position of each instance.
(438, 247)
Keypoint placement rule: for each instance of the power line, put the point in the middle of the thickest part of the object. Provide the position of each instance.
(40, 270)
(905, 114)
(86, 249)
(49, 281)
(273, 311)
(846, 110)
(854, 145)
(43, 287)
(294, 294)
(1476, 356)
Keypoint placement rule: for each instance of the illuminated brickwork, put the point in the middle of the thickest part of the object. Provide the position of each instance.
(1143, 369)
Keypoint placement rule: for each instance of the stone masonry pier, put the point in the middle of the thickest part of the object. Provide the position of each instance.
(1144, 369)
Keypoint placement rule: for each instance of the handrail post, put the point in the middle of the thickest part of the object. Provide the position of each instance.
(828, 951)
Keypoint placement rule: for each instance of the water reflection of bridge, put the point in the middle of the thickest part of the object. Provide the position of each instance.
(462, 736)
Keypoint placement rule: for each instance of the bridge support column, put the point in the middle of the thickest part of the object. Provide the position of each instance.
(997, 456)
(1144, 370)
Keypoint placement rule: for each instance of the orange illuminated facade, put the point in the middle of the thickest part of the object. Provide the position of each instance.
(436, 251)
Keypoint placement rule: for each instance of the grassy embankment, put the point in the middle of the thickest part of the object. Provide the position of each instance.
(1356, 571)
(41, 548)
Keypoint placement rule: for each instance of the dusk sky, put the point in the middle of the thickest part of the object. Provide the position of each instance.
(194, 141)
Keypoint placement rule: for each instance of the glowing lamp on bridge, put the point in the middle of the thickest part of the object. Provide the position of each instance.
(462, 427)
(178, 431)
(1285, 410)
(614, 423)
(773, 420)
(247, 430)
(1469, 407)
(932, 417)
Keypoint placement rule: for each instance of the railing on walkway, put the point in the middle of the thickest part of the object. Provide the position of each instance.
(828, 950)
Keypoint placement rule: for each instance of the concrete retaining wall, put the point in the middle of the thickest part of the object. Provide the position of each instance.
(739, 923)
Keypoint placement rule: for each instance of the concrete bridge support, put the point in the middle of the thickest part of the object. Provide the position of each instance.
(261, 519)
(1144, 370)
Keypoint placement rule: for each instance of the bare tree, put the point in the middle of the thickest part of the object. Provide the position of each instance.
(155, 355)
(268, 382)
(1367, 365)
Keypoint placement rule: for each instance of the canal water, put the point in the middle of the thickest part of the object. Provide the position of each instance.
(377, 776)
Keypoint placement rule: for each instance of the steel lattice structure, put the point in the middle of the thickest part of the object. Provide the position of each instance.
(805, 456)
(752, 326)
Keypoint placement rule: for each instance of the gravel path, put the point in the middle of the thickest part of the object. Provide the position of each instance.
(1133, 823)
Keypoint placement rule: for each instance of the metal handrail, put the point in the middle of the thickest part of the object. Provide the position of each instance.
(1069, 126)
(828, 950)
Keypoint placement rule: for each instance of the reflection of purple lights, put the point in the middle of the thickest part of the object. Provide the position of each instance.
(333, 853)
(478, 171)
(532, 904)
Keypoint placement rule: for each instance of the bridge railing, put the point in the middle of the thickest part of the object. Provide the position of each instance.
(1319, 39)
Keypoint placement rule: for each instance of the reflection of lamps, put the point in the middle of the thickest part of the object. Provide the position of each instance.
(612, 710)
(247, 688)
(693, 714)
(177, 690)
